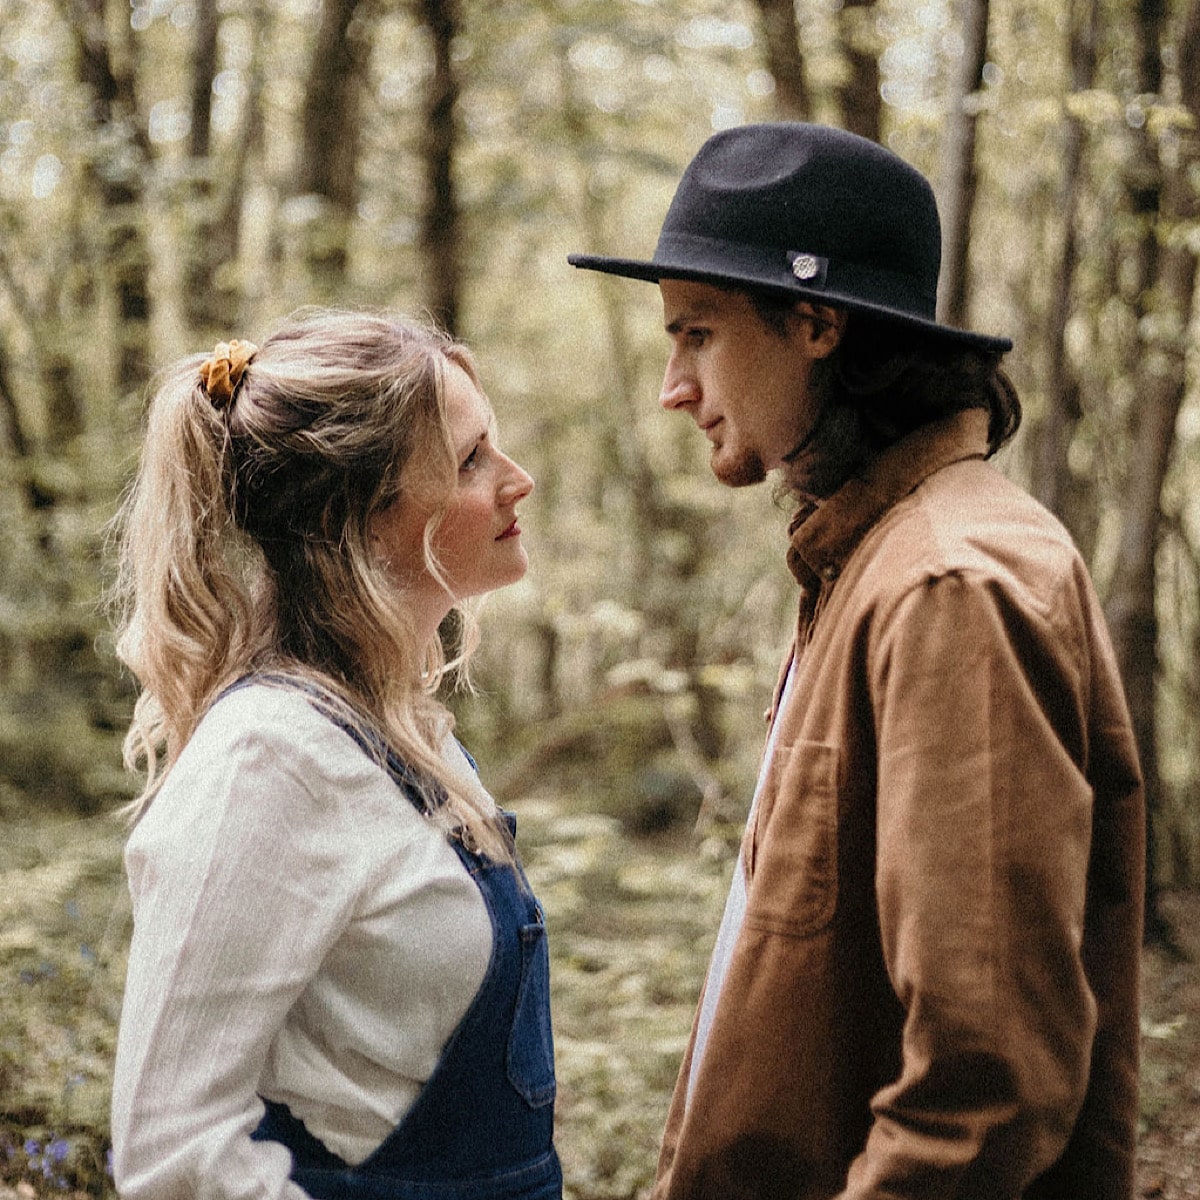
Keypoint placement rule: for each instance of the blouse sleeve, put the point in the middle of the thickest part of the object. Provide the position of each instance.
(240, 886)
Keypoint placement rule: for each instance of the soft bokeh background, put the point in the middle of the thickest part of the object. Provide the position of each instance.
(174, 172)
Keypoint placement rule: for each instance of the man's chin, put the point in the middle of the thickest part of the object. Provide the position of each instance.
(741, 472)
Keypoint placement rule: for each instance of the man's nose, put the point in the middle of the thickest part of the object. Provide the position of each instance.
(678, 385)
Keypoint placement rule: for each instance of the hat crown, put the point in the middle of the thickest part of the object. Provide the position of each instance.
(809, 211)
(812, 190)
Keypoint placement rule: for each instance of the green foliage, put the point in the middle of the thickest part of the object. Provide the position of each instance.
(63, 930)
(631, 921)
(631, 924)
(622, 682)
(575, 120)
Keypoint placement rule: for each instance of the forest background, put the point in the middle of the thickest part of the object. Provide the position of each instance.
(175, 172)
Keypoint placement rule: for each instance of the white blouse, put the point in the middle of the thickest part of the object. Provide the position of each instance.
(302, 933)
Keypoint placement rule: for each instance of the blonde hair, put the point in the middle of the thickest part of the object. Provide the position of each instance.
(245, 545)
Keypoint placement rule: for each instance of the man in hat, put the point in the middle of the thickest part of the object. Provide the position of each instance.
(925, 983)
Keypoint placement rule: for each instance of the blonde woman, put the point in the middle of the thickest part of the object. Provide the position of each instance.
(338, 977)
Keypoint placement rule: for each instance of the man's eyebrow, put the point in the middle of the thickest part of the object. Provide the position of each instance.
(696, 312)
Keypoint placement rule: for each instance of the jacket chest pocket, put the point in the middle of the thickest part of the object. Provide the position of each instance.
(791, 855)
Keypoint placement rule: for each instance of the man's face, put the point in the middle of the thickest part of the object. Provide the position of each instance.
(745, 385)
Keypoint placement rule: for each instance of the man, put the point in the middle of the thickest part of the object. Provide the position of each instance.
(926, 980)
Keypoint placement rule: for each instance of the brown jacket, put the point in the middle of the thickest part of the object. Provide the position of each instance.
(935, 989)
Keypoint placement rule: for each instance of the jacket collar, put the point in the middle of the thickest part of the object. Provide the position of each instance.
(824, 535)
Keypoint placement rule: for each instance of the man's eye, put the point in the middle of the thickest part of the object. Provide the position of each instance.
(697, 337)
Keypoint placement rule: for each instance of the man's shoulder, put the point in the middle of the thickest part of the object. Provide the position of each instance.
(969, 519)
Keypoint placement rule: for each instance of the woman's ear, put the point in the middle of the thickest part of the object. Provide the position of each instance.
(821, 327)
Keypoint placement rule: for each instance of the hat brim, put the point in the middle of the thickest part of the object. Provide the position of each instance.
(652, 272)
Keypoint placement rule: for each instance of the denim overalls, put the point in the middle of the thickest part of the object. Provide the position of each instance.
(482, 1126)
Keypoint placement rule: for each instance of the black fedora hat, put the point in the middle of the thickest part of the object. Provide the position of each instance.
(807, 211)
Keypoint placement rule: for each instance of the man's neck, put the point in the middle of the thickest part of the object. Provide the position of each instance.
(834, 453)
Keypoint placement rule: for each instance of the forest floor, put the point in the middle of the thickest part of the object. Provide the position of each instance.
(1169, 1146)
(631, 921)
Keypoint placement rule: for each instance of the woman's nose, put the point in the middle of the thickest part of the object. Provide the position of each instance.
(518, 484)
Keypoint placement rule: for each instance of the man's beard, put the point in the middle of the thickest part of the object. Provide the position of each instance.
(743, 472)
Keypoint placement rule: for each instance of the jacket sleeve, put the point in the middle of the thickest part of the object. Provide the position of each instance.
(983, 831)
(238, 893)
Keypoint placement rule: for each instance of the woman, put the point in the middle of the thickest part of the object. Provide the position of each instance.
(338, 977)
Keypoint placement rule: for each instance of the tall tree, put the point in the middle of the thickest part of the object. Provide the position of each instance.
(958, 164)
(118, 175)
(199, 269)
(1051, 476)
(1163, 198)
(785, 62)
(441, 233)
(859, 98)
(212, 295)
(657, 518)
(330, 142)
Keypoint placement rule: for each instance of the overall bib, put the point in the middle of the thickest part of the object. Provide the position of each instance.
(482, 1126)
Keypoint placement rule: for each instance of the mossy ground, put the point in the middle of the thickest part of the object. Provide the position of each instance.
(632, 921)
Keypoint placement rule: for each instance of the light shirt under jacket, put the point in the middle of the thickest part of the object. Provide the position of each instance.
(301, 933)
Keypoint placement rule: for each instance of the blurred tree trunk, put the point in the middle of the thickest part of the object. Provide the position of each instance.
(441, 234)
(661, 583)
(204, 71)
(329, 144)
(1052, 481)
(958, 165)
(784, 59)
(858, 96)
(213, 299)
(1162, 197)
(15, 442)
(198, 300)
(119, 179)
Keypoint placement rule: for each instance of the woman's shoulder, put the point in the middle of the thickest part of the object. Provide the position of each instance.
(262, 754)
(278, 727)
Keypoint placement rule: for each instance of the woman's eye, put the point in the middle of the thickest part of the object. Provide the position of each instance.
(471, 461)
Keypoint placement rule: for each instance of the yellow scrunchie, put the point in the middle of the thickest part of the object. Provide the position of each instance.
(222, 373)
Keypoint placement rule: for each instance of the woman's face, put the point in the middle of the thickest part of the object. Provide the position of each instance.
(477, 541)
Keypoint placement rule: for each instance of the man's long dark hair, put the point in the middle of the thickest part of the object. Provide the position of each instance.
(900, 379)
(886, 380)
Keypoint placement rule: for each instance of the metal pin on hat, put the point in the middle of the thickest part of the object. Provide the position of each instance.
(805, 266)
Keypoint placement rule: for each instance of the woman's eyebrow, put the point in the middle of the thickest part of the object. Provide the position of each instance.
(466, 447)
